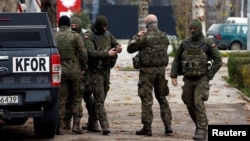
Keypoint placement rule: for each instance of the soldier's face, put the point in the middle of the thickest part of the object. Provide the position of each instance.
(195, 32)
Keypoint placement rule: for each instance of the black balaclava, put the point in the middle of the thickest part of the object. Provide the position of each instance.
(100, 22)
(64, 20)
(77, 21)
(196, 35)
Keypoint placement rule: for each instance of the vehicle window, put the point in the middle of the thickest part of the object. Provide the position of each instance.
(239, 30)
(214, 28)
(229, 29)
(244, 28)
(20, 36)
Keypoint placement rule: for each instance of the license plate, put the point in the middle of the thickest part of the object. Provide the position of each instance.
(8, 100)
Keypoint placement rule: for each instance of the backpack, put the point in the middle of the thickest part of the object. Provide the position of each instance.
(154, 53)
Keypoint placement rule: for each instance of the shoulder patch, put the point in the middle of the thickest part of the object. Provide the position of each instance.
(213, 45)
(86, 37)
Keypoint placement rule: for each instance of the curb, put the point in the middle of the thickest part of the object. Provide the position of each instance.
(242, 95)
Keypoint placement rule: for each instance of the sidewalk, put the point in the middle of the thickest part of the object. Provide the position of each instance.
(123, 106)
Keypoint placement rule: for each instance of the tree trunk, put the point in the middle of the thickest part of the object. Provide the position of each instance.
(142, 13)
(8, 6)
(198, 7)
(49, 6)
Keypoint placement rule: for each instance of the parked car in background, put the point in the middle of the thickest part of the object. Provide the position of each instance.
(229, 36)
(237, 20)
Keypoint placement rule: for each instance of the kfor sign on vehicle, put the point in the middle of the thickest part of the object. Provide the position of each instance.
(30, 64)
(67, 7)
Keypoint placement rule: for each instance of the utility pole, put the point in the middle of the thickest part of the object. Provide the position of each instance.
(248, 33)
(241, 9)
(142, 13)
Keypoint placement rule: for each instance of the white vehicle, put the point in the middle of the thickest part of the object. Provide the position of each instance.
(237, 20)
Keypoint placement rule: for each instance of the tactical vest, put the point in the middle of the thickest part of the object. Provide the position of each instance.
(194, 59)
(154, 52)
(102, 43)
(65, 45)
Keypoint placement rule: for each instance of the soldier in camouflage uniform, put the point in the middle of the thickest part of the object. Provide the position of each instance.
(152, 46)
(191, 60)
(102, 49)
(92, 124)
(74, 59)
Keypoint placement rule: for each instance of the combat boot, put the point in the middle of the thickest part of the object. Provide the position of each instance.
(93, 126)
(199, 135)
(144, 131)
(105, 130)
(85, 126)
(76, 128)
(168, 130)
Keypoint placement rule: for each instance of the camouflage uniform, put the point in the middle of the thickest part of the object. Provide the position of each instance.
(153, 58)
(191, 60)
(92, 124)
(74, 60)
(98, 43)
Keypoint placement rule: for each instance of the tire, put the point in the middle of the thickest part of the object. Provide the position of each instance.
(235, 46)
(45, 127)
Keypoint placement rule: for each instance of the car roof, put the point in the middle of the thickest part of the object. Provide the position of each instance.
(214, 28)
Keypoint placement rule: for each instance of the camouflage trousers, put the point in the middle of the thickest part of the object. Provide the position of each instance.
(147, 83)
(89, 101)
(70, 97)
(195, 92)
(99, 82)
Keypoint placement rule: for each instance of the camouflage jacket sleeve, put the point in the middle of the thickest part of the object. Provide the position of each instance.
(135, 43)
(81, 51)
(113, 40)
(176, 64)
(89, 42)
(215, 57)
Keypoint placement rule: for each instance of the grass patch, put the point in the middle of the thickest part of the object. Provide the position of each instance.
(245, 91)
(128, 69)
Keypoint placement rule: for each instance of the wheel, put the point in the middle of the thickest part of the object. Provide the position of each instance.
(235, 46)
(45, 127)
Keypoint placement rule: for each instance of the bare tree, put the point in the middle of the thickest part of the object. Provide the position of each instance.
(142, 13)
(198, 10)
(49, 6)
(182, 15)
(8, 6)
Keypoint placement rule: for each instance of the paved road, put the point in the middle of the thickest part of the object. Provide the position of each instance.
(225, 106)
